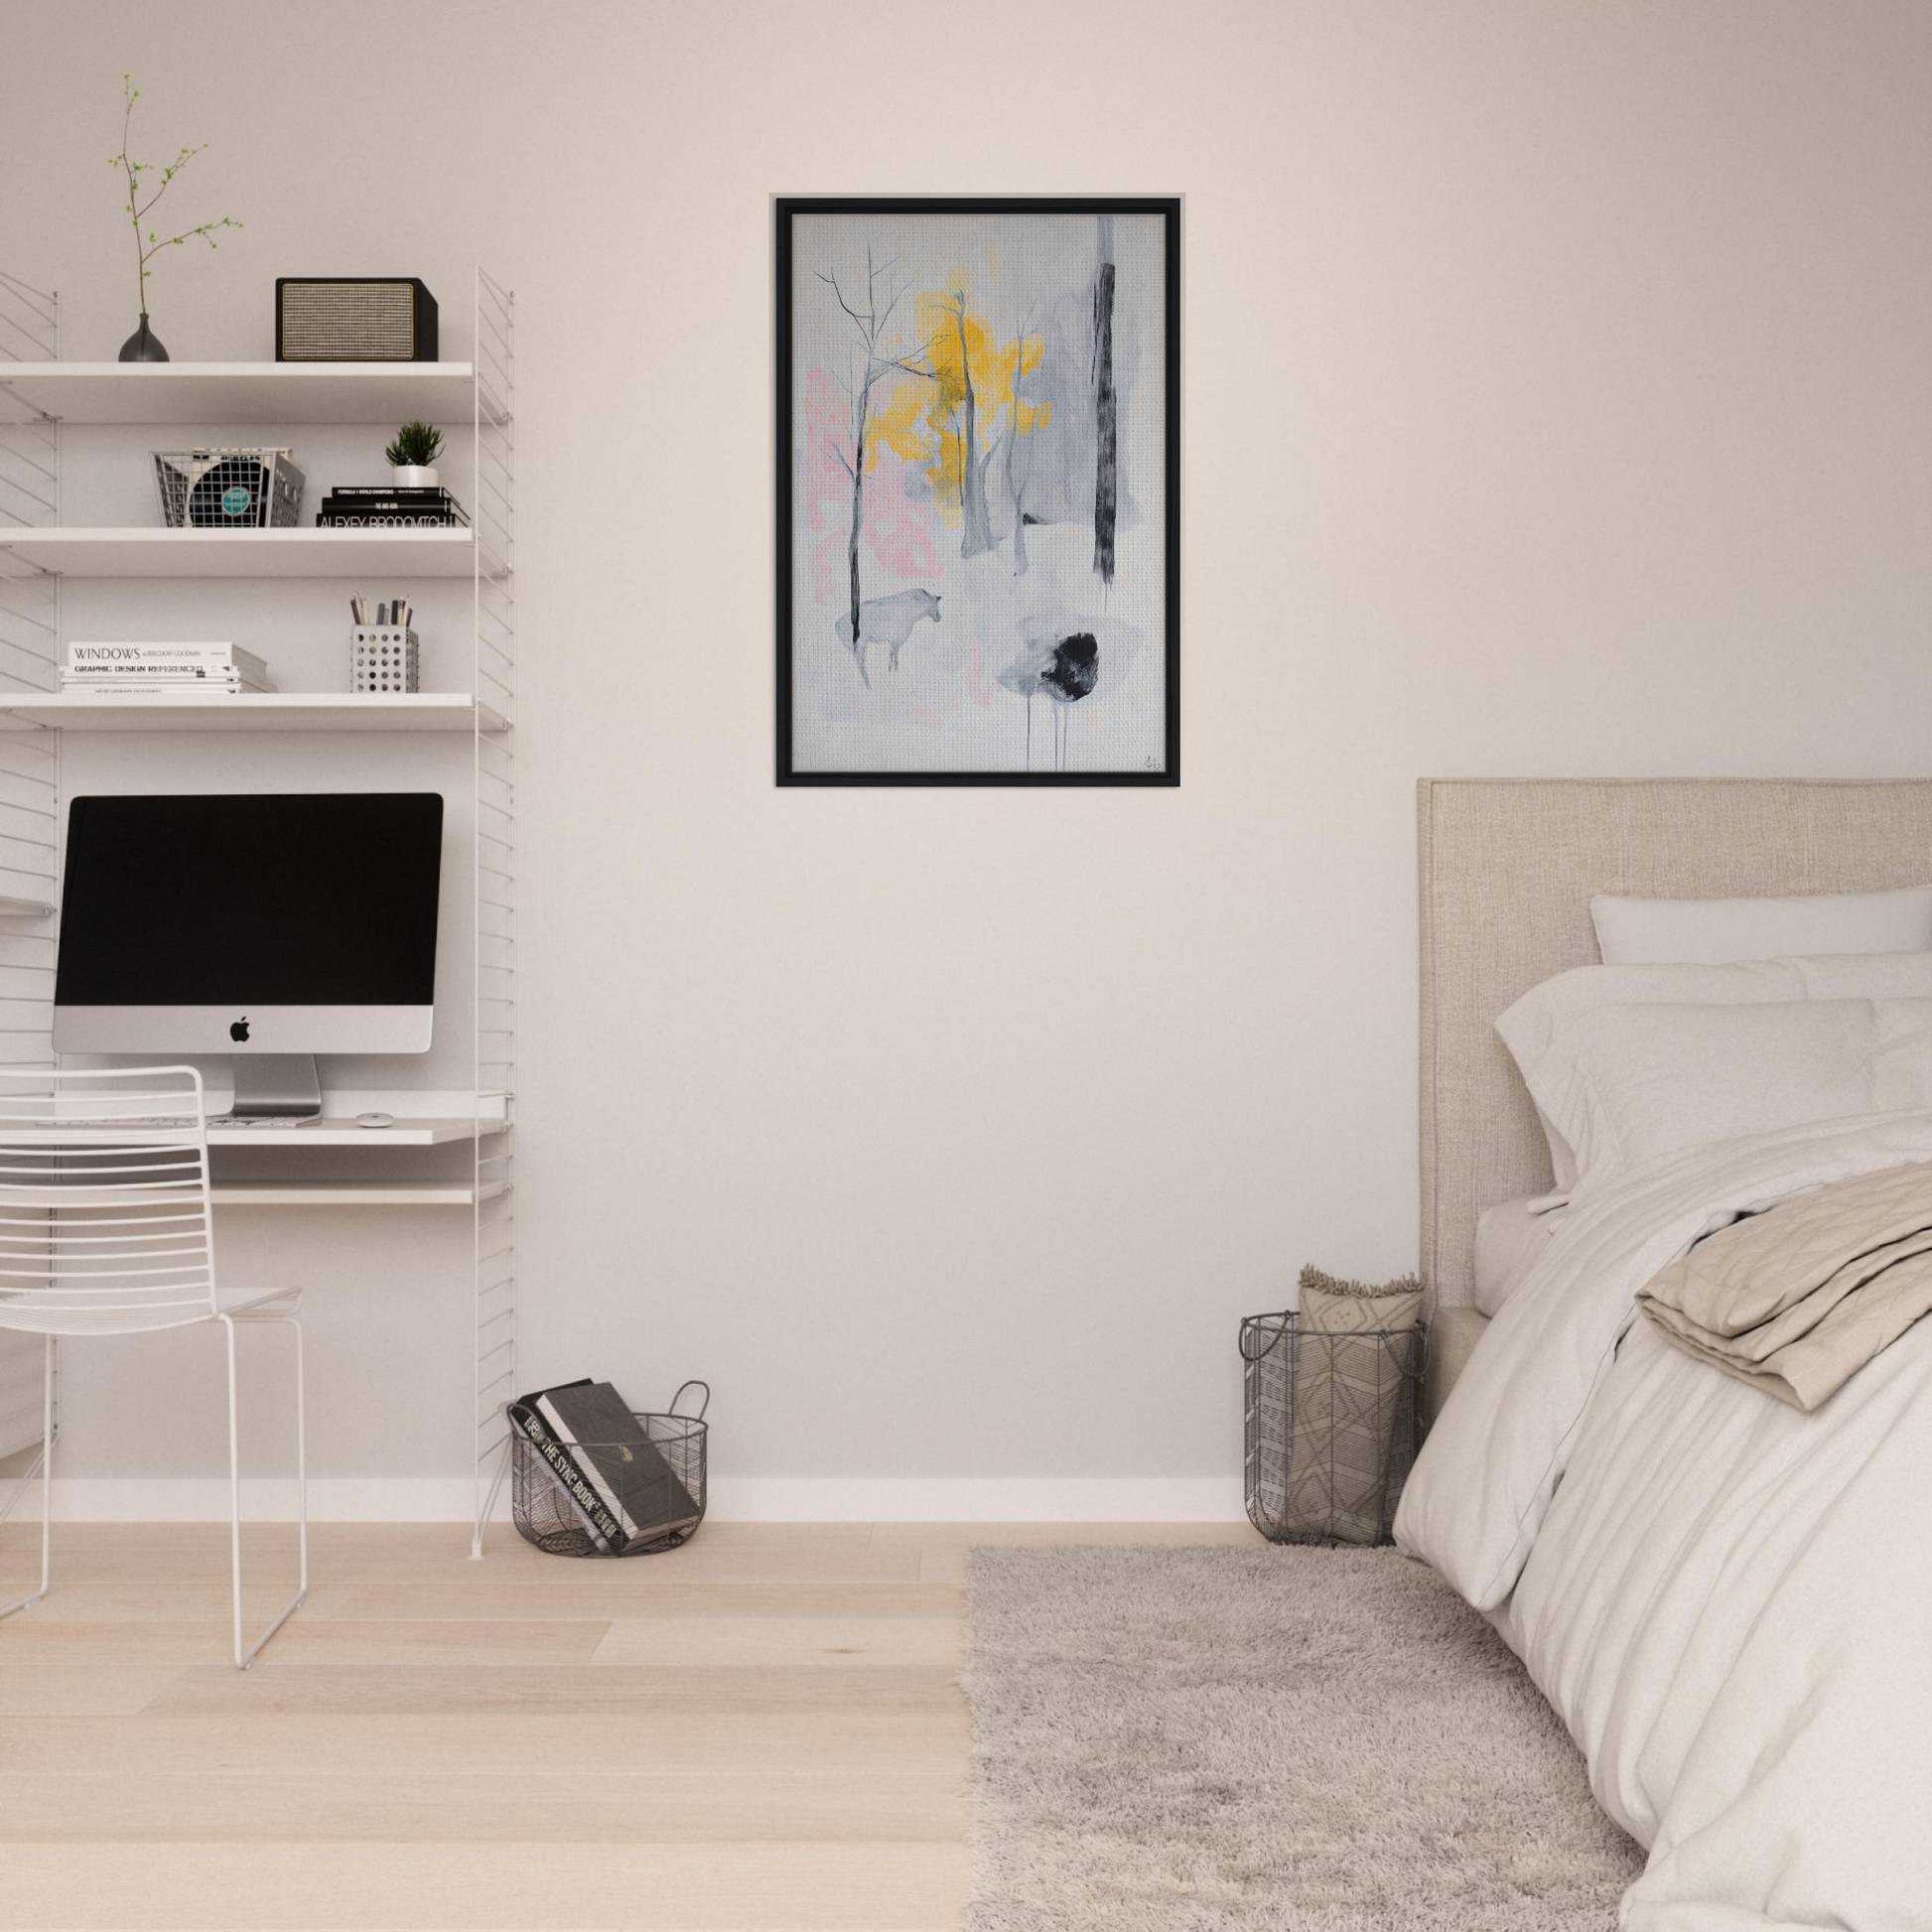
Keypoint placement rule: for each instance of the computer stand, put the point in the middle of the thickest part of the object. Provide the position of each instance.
(276, 1086)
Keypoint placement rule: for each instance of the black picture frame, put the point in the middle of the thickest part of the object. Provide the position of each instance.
(787, 208)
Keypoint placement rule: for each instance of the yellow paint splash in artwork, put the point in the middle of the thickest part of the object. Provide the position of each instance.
(924, 421)
(897, 426)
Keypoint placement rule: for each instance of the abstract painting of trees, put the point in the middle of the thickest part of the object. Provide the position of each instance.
(978, 514)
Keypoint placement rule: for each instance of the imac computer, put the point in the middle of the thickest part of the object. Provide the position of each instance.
(266, 926)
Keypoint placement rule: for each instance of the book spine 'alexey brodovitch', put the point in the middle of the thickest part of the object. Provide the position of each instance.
(386, 520)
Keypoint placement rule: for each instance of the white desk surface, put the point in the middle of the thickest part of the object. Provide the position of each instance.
(333, 1132)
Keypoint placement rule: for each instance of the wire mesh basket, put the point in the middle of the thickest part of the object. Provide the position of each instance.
(1333, 1424)
(660, 1500)
(229, 489)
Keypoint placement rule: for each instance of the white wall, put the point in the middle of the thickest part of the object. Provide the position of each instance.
(1557, 400)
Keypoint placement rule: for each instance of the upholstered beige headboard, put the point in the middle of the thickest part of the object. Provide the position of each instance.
(1508, 869)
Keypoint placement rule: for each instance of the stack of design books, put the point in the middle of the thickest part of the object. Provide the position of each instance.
(121, 670)
(382, 507)
(617, 1483)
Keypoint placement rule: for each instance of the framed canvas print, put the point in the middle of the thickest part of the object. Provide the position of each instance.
(979, 511)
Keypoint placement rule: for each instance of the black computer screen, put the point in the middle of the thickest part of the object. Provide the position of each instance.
(251, 899)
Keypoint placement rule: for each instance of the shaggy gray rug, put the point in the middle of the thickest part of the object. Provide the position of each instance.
(1301, 1739)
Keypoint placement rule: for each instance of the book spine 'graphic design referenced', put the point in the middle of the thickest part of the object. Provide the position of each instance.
(152, 668)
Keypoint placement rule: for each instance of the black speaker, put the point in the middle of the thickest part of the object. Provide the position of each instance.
(354, 318)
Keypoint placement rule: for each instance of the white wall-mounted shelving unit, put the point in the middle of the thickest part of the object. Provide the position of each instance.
(257, 710)
(40, 394)
(250, 553)
(218, 393)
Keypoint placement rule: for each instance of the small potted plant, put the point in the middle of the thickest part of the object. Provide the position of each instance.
(412, 456)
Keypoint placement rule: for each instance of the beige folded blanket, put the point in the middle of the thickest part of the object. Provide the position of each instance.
(1799, 1299)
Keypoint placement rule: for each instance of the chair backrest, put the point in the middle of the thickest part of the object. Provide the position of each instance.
(104, 1209)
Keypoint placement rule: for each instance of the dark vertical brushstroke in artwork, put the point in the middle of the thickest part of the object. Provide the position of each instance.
(1106, 469)
(858, 516)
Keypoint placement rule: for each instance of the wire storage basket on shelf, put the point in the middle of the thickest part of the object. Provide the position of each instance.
(228, 489)
(654, 1491)
(1332, 1426)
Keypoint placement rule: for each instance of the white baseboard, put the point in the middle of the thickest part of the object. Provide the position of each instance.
(733, 1499)
(976, 1499)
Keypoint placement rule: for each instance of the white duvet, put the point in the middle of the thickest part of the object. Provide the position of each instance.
(1728, 1602)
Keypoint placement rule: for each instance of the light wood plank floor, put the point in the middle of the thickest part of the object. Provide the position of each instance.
(758, 1732)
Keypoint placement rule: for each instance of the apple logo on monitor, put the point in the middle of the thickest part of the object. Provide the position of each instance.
(240, 1030)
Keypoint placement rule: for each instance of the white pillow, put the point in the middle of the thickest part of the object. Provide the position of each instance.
(1627, 1083)
(1511, 1238)
(1530, 1028)
(1715, 932)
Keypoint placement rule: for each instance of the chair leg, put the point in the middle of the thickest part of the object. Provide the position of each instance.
(243, 1659)
(47, 1483)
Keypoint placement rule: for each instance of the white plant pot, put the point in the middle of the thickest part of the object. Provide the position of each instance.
(413, 475)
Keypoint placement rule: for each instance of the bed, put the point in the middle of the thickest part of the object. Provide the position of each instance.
(1727, 1602)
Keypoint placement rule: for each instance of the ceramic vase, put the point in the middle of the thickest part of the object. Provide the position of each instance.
(144, 346)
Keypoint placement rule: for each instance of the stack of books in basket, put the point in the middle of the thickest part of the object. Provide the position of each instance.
(612, 1479)
(122, 669)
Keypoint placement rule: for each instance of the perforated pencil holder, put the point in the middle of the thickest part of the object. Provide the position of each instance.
(383, 658)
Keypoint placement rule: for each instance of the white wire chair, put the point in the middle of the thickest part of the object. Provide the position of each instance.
(106, 1229)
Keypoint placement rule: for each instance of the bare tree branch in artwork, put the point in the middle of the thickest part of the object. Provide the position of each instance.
(870, 323)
